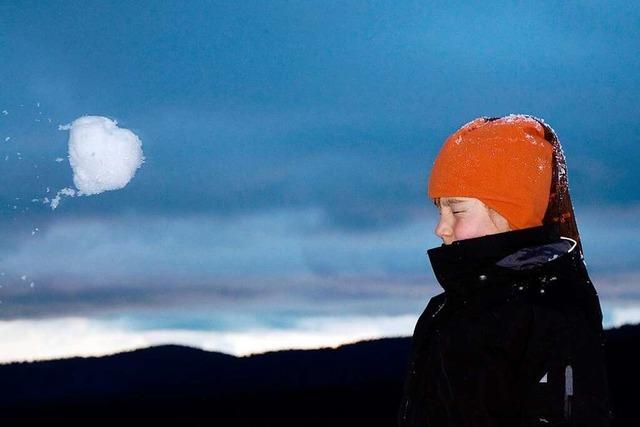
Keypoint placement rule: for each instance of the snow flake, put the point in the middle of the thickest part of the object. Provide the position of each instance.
(67, 191)
(511, 118)
(473, 123)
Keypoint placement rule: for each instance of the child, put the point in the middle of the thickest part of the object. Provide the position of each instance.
(516, 337)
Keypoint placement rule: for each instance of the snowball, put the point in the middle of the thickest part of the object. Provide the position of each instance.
(102, 155)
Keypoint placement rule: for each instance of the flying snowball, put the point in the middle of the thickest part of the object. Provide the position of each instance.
(102, 155)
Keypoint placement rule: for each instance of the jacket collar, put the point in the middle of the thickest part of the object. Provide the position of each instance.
(466, 266)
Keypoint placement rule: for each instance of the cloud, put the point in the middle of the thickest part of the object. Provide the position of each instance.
(289, 258)
(26, 340)
(625, 315)
(276, 242)
(283, 258)
(617, 287)
(358, 294)
(287, 155)
(348, 123)
(608, 235)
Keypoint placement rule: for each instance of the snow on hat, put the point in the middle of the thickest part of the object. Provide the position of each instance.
(505, 162)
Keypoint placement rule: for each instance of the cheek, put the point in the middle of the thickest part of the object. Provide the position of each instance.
(469, 227)
(465, 230)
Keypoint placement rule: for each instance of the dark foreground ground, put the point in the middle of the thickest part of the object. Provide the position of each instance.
(353, 385)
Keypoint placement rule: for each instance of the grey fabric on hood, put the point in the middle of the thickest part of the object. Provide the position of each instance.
(535, 256)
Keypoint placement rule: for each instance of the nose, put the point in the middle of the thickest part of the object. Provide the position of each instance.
(444, 231)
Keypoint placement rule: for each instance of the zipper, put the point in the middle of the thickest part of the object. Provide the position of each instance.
(406, 406)
(568, 391)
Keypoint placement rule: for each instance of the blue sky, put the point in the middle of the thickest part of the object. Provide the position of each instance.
(287, 147)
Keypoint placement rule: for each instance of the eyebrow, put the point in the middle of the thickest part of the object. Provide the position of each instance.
(451, 201)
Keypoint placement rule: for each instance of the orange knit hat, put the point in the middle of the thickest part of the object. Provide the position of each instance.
(506, 163)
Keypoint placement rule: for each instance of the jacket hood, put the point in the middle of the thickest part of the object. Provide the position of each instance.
(466, 266)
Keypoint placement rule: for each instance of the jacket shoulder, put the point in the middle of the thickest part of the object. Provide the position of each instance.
(435, 304)
(433, 307)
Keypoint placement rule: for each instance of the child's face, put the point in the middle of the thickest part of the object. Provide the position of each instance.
(465, 218)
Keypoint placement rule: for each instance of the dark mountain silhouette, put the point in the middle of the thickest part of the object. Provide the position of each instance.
(352, 385)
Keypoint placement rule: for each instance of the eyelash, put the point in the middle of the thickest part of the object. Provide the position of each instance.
(454, 212)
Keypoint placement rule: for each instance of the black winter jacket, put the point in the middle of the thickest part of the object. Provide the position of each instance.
(514, 340)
